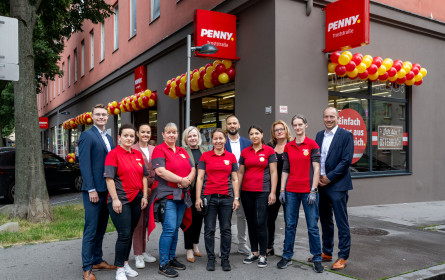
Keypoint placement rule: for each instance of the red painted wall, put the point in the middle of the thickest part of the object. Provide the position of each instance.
(425, 8)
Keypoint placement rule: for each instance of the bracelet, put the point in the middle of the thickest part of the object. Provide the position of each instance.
(314, 190)
(281, 191)
(145, 197)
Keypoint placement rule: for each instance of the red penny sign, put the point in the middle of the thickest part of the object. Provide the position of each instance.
(352, 121)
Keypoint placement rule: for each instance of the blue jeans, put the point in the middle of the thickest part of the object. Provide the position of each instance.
(293, 201)
(174, 211)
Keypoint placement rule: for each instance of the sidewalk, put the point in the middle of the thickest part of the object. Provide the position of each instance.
(387, 241)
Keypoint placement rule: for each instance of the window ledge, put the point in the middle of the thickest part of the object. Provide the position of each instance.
(134, 35)
(360, 175)
(153, 20)
(115, 50)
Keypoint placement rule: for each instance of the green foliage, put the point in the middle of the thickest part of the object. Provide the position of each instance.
(7, 110)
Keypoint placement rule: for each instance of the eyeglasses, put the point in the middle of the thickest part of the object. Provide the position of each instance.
(100, 115)
(278, 129)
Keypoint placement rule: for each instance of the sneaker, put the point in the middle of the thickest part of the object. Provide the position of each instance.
(166, 270)
(318, 267)
(139, 261)
(176, 265)
(148, 258)
(225, 264)
(283, 263)
(120, 274)
(262, 262)
(130, 271)
(210, 265)
(244, 249)
(250, 259)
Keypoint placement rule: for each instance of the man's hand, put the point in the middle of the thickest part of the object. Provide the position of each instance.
(323, 181)
(282, 198)
(94, 197)
(312, 198)
(117, 206)
(198, 204)
(235, 204)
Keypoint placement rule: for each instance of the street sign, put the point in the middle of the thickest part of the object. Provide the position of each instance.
(9, 49)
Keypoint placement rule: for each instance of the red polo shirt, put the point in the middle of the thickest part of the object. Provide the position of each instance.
(177, 162)
(127, 169)
(218, 176)
(297, 162)
(257, 172)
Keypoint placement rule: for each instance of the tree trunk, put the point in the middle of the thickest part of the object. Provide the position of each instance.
(2, 87)
(31, 196)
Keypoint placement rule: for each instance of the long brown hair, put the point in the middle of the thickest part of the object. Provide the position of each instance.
(273, 140)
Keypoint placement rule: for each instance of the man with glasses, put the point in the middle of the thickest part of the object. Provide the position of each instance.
(94, 145)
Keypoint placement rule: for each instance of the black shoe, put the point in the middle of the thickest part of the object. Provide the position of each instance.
(318, 267)
(271, 253)
(166, 270)
(211, 265)
(250, 259)
(225, 264)
(176, 265)
(262, 261)
(283, 263)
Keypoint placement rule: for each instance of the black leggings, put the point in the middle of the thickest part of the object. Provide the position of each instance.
(192, 234)
(255, 208)
(125, 224)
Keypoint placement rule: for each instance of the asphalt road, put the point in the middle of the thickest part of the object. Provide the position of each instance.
(59, 197)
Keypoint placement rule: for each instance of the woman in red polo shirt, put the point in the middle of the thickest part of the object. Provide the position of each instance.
(127, 184)
(174, 174)
(258, 174)
(217, 184)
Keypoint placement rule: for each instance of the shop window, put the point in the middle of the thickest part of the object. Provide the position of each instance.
(82, 64)
(75, 65)
(155, 9)
(69, 71)
(379, 122)
(132, 18)
(91, 50)
(116, 26)
(102, 41)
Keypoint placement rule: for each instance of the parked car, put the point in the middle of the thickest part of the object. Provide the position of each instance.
(58, 173)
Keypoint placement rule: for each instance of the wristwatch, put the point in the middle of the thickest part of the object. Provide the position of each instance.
(237, 198)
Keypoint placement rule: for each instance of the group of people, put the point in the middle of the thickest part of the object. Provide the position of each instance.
(192, 186)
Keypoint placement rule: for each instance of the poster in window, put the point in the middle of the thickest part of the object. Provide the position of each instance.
(353, 122)
(390, 137)
(206, 132)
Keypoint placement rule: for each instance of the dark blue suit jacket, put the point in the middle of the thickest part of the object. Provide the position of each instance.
(244, 143)
(338, 160)
(92, 153)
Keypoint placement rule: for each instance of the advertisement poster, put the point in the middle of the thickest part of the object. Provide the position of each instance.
(390, 137)
(206, 131)
(352, 121)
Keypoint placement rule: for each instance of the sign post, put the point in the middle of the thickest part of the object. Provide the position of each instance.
(9, 49)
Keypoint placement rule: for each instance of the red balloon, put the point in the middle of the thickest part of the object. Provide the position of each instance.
(194, 71)
(340, 70)
(178, 91)
(418, 83)
(401, 81)
(208, 65)
(202, 73)
(231, 72)
(398, 66)
(416, 65)
(398, 61)
(392, 72)
(145, 100)
(357, 58)
(154, 96)
(353, 78)
(335, 56)
(201, 83)
(215, 82)
(350, 66)
(372, 69)
(377, 60)
(363, 75)
(383, 77)
(215, 74)
(410, 75)
(220, 68)
(415, 70)
(166, 91)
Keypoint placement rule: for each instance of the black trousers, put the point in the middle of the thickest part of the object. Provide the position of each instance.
(272, 217)
(191, 235)
(255, 208)
(221, 206)
(125, 224)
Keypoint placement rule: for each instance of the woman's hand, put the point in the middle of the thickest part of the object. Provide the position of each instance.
(144, 203)
(235, 205)
(272, 198)
(198, 204)
(117, 206)
(185, 182)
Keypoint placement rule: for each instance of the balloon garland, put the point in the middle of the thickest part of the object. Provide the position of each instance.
(81, 119)
(133, 102)
(375, 68)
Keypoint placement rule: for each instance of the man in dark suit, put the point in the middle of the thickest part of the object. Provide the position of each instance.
(337, 149)
(235, 144)
(94, 145)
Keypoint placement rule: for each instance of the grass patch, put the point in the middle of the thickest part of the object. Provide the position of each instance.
(68, 222)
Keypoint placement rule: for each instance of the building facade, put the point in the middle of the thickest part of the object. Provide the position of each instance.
(282, 71)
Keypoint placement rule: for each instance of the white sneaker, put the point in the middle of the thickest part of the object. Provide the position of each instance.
(139, 261)
(130, 271)
(148, 258)
(120, 274)
(244, 249)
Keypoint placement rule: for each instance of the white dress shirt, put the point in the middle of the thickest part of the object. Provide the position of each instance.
(146, 152)
(104, 137)
(236, 147)
(327, 140)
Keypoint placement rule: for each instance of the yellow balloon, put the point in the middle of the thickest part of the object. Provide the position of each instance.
(227, 63)
(208, 84)
(210, 70)
(344, 59)
(172, 94)
(381, 70)
(401, 73)
(173, 84)
(183, 79)
(182, 89)
(367, 61)
(331, 67)
(409, 82)
(393, 78)
(353, 73)
(202, 68)
(207, 77)
(194, 88)
(196, 75)
(406, 67)
(151, 103)
(178, 77)
(418, 77)
(147, 93)
(361, 67)
(423, 72)
(216, 62)
(368, 57)
(114, 103)
(223, 78)
(374, 76)
(194, 82)
(348, 53)
(408, 63)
